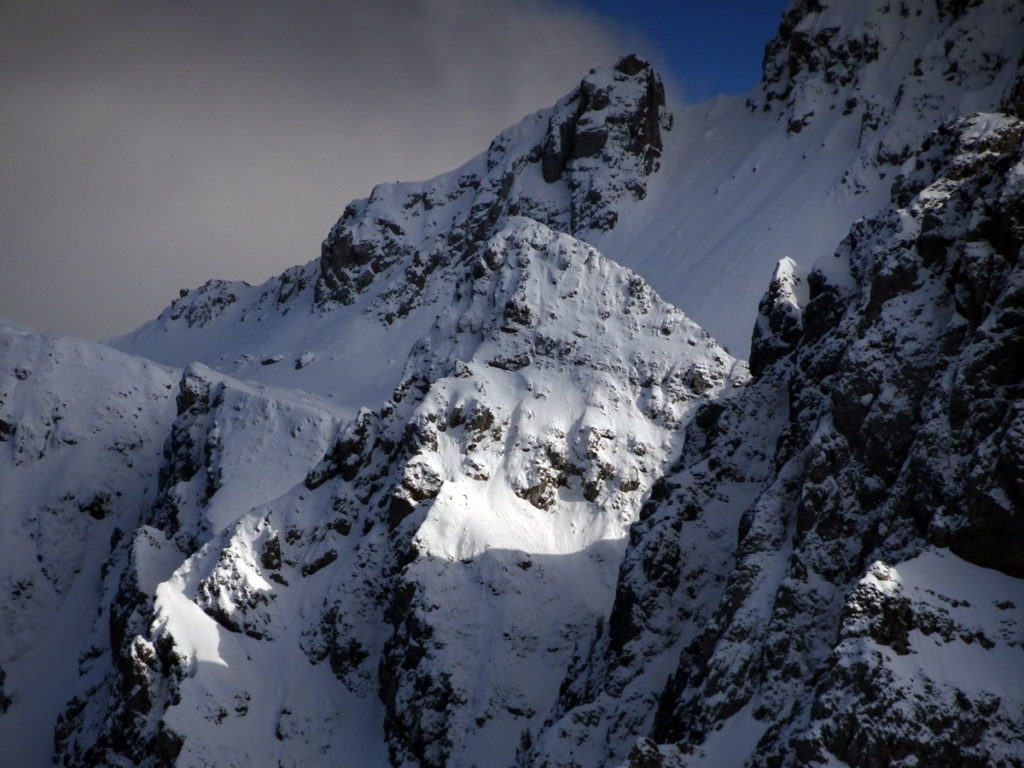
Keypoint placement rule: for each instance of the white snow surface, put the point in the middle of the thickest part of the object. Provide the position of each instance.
(468, 439)
(89, 424)
(981, 603)
(737, 191)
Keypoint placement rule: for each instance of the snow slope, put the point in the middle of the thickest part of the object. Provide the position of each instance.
(81, 433)
(701, 200)
(850, 90)
(780, 602)
(389, 260)
(467, 490)
(478, 514)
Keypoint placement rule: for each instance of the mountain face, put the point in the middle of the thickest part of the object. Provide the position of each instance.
(392, 258)
(469, 490)
(859, 603)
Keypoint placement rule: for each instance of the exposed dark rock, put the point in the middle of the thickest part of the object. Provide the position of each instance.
(202, 305)
(612, 121)
(98, 507)
(895, 429)
(270, 558)
(5, 700)
(779, 323)
(320, 563)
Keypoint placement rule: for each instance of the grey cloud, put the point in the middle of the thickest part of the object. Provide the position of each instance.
(150, 146)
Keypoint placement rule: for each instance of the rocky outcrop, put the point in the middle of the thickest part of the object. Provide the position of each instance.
(595, 148)
(539, 313)
(780, 317)
(137, 663)
(878, 441)
(532, 418)
(504, 504)
(580, 127)
(874, 63)
(82, 463)
(129, 683)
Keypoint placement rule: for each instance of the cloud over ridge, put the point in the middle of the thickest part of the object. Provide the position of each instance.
(149, 147)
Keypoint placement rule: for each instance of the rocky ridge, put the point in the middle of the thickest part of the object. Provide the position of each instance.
(557, 524)
(478, 473)
(798, 616)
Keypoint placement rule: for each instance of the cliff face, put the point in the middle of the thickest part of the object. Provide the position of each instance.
(788, 568)
(466, 491)
(427, 562)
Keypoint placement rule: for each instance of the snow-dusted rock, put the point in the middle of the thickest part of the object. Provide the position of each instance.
(884, 428)
(79, 465)
(466, 491)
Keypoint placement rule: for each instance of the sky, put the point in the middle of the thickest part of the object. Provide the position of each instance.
(708, 46)
(152, 145)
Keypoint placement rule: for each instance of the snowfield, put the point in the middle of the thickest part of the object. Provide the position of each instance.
(490, 482)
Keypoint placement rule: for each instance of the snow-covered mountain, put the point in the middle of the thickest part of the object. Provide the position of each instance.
(469, 490)
(830, 573)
